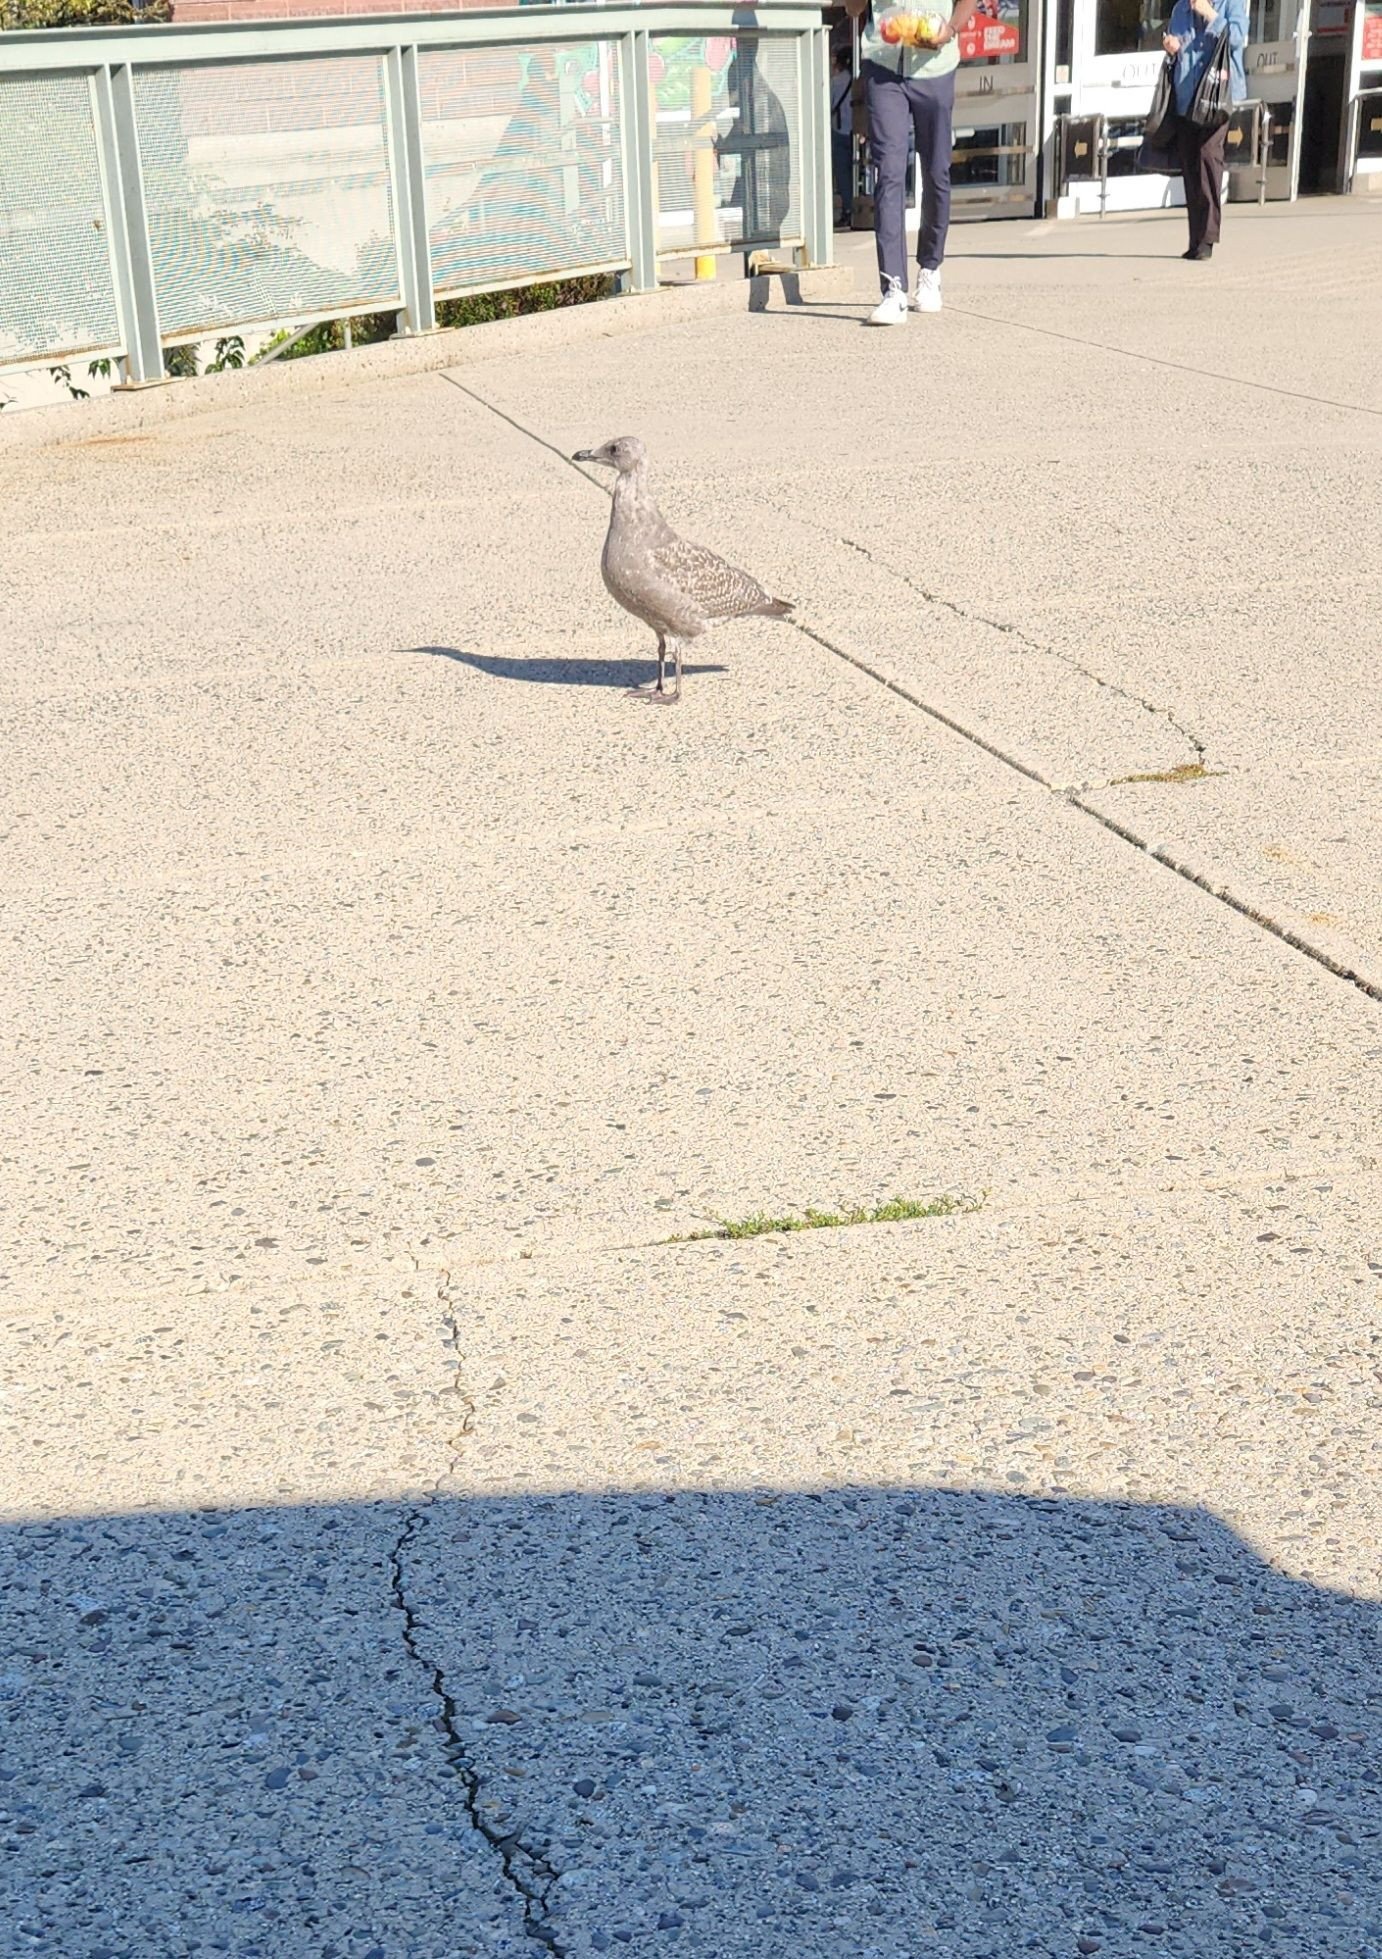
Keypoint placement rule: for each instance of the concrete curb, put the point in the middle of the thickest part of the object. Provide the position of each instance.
(130, 413)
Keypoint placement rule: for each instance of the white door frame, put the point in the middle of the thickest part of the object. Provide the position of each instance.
(1276, 76)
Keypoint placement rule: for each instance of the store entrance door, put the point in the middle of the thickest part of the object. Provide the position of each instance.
(1324, 109)
(1275, 63)
(995, 169)
(1116, 56)
(1363, 126)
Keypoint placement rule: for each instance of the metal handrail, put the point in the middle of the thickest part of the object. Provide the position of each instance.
(110, 59)
(1105, 146)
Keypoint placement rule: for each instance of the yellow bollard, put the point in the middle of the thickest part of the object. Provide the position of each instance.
(702, 168)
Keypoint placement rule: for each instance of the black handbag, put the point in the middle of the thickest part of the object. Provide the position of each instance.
(1160, 130)
(1161, 159)
(1158, 153)
(1212, 103)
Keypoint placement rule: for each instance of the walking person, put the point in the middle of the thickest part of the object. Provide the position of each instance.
(842, 132)
(910, 91)
(1192, 37)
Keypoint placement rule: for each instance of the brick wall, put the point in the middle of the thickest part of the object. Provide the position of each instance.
(189, 12)
(329, 91)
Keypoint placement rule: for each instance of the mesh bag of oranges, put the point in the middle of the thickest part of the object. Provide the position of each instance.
(901, 27)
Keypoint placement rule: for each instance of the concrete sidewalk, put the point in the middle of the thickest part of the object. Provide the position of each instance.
(412, 1554)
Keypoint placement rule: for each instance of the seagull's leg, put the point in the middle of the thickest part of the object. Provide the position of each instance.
(652, 689)
(658, 696)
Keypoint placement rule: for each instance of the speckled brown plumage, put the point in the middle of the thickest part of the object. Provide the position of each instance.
(678, 588)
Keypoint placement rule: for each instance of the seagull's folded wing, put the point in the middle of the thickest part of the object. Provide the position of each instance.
(718, 590)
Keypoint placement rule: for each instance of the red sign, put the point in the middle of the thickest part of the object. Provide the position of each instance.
(994, 29)
(983, 39)
(1372, 35)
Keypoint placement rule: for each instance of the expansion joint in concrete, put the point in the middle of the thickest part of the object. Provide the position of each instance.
(1339, 968)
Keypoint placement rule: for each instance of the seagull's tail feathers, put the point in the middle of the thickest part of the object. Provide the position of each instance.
(774, 608)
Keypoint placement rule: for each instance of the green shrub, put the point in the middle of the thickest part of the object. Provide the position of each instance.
(475, 309)
(329, 336)
(15, 14)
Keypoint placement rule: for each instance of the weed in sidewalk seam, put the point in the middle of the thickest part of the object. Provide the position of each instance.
(1187, 772)
(899, 1211)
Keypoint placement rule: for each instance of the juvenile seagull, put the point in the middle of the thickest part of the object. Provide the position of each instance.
(679, 589)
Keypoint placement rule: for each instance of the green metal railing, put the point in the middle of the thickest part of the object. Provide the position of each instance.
(160, 185)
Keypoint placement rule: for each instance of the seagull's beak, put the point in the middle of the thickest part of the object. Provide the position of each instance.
(583, 456)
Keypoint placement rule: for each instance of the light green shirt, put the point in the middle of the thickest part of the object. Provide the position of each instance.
(915, 63)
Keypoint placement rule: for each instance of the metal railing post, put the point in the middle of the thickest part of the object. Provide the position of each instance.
(131, 258)
(818, 209)
(802, 162)
(408, 179)
(636, 120)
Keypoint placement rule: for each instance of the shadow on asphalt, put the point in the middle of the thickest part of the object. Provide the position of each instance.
(561, 673)
(855, 1723)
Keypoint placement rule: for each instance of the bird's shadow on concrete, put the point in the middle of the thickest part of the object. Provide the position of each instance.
(549, 672)
(805, 1725)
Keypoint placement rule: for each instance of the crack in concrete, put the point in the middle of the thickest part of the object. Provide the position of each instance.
(527, 1872)
(1075, 799)
(1025, 640)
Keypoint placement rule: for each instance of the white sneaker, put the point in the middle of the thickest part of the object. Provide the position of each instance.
(891, 310)
(928, 292)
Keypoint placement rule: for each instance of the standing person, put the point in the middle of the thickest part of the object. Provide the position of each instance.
(910, 90)
(842, 131)
(1192, 36)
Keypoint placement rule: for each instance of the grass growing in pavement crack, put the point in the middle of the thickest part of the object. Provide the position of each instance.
(1187, 772)
(897, 1212)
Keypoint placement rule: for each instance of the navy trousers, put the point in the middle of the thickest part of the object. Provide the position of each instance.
(899, 109)
(842, 169)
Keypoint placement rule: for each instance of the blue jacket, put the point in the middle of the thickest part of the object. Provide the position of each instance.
(1199, 38)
